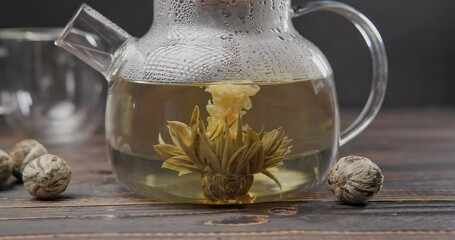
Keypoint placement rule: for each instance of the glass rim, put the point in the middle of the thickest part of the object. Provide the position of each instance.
(31, 33)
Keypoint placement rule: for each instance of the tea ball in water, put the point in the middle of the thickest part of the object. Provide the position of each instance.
(355, 180)
(6, 166)
(24, 152)
(47, 176)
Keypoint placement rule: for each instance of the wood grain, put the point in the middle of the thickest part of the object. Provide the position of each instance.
(414, 148)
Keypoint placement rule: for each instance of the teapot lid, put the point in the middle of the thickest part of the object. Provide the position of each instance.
(213, 40)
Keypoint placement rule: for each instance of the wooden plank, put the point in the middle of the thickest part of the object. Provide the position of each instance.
(414, 148)
(300, 217)
(274, 235)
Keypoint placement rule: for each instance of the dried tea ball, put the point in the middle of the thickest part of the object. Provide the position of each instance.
(355, 180)
(24, 152)
(47, 176)
(6, 166)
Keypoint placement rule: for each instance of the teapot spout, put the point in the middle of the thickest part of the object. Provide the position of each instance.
(94, 39)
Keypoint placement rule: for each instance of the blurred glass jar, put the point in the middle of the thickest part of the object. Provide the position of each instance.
(45, 92)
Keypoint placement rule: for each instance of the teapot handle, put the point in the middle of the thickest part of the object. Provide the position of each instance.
(379, 58)
(3, 53)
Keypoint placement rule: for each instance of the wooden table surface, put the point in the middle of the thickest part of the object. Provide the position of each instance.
(414, 148)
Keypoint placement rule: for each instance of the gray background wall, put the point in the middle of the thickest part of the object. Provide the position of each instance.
(419, 36)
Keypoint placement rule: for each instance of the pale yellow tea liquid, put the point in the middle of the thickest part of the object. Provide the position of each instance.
(138, 112)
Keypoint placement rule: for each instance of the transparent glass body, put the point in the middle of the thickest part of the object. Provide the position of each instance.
(221, 102)
(45, 92)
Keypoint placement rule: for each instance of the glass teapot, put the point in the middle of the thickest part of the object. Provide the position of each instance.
(222, 101)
